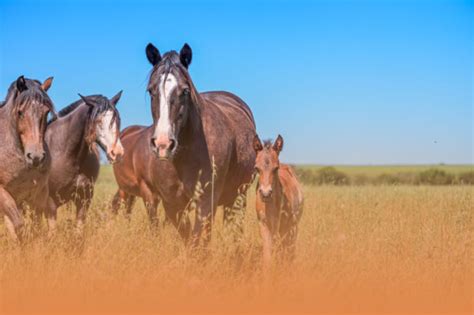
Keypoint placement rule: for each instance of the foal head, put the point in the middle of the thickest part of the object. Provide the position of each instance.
(267, 164)
(172, 98)
(103, 126)
(29, 111)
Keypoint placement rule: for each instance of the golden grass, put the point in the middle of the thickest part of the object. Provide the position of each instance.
(360, 250)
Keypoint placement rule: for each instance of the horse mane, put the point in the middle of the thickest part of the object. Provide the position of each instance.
(170, 62)
(70, 108)
(34, 92)
(268, 144)
(101, 104)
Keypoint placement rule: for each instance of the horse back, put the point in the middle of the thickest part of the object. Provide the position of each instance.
(133, 168)
(229, 122)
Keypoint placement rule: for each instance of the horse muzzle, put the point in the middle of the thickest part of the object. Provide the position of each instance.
(35, 159)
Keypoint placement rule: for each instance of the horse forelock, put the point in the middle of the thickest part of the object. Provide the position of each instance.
(171, 64)
(33, 94)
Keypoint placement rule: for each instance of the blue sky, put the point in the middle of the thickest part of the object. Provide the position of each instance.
(344, 82)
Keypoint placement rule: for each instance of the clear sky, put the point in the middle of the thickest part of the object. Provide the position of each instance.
(344, 82)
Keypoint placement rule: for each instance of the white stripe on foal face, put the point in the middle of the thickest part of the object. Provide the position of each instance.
(163, 127)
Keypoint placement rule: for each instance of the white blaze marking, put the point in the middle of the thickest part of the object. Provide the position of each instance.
(106, 132)
(163, 127)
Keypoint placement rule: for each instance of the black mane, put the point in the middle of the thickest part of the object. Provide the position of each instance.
(100, 102)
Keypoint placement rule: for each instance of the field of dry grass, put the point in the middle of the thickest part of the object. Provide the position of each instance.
(361, 249)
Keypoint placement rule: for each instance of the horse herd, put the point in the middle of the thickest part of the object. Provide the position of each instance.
(50, 158)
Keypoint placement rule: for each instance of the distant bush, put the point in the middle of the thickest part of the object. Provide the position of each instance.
(360, 180)
(306, 176)
(435, 176)
(466, 178)
(395, 179)
(324, 176)
(330, 176)
(386, 179)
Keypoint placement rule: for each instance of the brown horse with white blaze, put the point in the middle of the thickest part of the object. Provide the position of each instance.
(279, 200)
(25, 156)
(191, 133)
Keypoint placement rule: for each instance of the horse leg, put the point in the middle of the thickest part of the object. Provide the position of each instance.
(267, 242)
(122, 197)
(203, 223)
(13, 218)
(151, 202)
(51, 215)
(288, 232)
(234, 214)
(180, 219)
(85, 193)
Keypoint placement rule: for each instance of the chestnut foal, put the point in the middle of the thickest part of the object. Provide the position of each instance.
(279, 200)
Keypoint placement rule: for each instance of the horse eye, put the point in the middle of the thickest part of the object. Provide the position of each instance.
(20, 114)
(186, 92)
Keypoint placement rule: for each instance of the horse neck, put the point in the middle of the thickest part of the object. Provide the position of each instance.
(74, 126)
(193, 138)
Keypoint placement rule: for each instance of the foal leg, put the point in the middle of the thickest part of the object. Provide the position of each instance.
(13, 219)
(288, 232)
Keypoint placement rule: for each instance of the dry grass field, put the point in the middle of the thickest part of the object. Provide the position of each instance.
(361, 249)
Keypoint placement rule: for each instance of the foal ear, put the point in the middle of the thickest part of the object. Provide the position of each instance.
(278, 145)
(257, 144)
(21, 84)
(86, 101)
(153, 54)
(114, 100)
(186, 55)
(47, 84)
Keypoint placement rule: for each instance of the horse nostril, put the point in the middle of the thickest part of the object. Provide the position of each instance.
(28, 155)
(172, 144)
(153, 144)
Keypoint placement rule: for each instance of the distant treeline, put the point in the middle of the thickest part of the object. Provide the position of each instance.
(331, 176)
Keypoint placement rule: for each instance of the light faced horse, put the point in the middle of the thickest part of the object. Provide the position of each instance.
(192, 134)
(73, 139)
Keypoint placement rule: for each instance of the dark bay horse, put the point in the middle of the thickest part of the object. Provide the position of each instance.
(25, 156)
(279, 200)
(192, 134)
(72, 139)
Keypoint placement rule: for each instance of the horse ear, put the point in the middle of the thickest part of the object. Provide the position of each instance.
(86, 101)
(47, 84)
(278, 145)
(257, 144)
(21, 84)
(186, 55)
(114, 100)
(153, 54)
